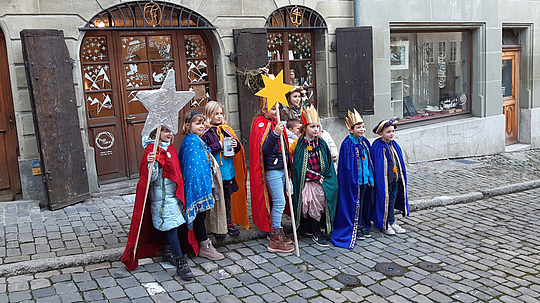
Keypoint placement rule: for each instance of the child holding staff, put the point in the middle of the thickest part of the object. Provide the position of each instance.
(165, 200)
(267, 177)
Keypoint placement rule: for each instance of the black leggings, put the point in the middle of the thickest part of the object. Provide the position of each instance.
(172, 240)
(228, 208)
(199, 228)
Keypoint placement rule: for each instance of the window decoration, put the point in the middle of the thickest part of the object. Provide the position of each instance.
(96, 76)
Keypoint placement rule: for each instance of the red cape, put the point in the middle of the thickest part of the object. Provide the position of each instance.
(151, 239)
(261, 203)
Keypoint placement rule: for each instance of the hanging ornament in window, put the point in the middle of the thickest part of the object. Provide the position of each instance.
(441, 71)
(152, 14)
(296, 16)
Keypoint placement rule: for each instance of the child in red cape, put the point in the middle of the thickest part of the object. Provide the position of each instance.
(267, 177)
(154, 223)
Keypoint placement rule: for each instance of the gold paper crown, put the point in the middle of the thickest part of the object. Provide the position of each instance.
(353, 118)
(309, 115)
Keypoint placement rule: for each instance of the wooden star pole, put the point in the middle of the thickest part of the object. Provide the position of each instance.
(163, 106)
(274, 91)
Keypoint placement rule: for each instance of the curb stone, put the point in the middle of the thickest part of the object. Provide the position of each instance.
(473, 196)
(111, 255)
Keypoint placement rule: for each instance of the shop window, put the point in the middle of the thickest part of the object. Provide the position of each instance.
(426, 87)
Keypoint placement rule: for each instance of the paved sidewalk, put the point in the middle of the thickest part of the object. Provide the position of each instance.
(30, 233)
(485, 250)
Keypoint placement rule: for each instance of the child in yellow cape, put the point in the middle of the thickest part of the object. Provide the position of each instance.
(233, 168)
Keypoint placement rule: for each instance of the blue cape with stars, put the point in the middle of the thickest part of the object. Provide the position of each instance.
(194, 156)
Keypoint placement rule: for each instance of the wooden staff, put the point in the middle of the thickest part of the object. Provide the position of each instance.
(156, 143)
(287, 180)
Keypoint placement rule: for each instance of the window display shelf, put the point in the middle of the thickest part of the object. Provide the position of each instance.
(396, 95)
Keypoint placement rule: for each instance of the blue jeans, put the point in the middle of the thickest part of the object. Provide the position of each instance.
(275, 182)
(392, 195)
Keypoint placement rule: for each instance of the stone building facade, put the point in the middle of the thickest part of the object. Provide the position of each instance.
(435, 65)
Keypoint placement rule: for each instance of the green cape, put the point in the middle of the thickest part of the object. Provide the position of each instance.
(330, 184)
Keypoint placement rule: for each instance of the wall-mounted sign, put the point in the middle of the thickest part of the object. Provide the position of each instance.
(296, 16)
(152, 14)
(36, 167)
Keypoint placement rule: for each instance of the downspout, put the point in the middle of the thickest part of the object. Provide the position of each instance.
(356, 13)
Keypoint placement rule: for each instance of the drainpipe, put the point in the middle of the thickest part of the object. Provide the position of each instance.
(357, 13)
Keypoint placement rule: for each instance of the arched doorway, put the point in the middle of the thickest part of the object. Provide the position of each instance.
(10, 183)
(122, 54)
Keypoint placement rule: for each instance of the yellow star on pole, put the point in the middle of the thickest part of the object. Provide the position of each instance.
(275, 90)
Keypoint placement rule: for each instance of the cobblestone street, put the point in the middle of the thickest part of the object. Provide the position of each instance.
(488, 250)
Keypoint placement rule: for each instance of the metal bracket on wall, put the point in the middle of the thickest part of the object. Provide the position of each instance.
(233, 56)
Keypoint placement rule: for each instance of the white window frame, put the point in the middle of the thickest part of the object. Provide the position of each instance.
(441, 51)
(453, 51)
(431, 54)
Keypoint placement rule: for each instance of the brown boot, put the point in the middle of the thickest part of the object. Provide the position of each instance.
(284, 237)
(208, 251)
(277, 245)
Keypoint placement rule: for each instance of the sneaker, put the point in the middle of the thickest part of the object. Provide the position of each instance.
(168, 255)
(366, 233)
(304, 233)
(360, 236)
(220, 236)
(398, 229)
(320, 240)
(233, 232)
(208, 251)
(390, 231)
(182, 269)
(277, 245)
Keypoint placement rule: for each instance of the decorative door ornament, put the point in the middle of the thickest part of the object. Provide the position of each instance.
(296, 16)
(152, 14)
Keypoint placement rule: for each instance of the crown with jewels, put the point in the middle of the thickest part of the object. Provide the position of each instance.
(353, 118)
(309, 115)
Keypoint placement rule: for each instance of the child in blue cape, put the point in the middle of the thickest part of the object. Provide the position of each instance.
(196, 162)
(355, 175)
(390, 179)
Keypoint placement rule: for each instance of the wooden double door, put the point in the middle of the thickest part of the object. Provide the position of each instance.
(10, 183)
(510, 92)
(115, 66)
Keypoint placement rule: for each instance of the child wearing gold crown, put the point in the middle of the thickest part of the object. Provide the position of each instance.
(390, 179)
(355, 175)
(314, 178)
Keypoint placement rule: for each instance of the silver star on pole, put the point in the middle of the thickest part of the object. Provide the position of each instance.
(163, 105)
